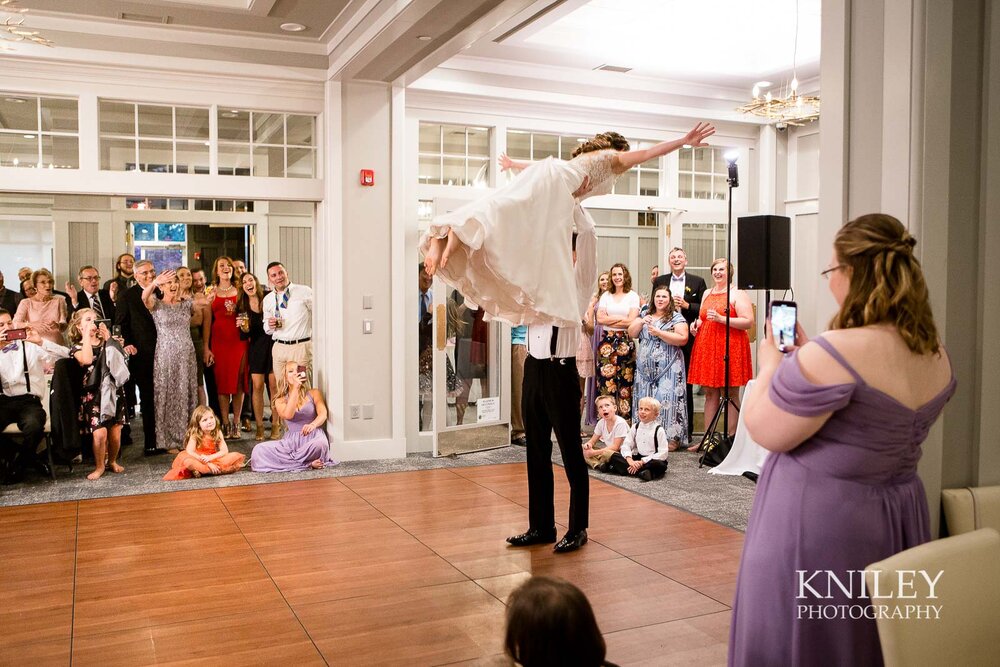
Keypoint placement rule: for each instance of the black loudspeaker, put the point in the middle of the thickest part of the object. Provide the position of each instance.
(765, 245)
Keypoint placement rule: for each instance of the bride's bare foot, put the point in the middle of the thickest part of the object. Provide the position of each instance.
(115, 468)
(97, 473)
(433, 257)
(317, 464)
(694, 448)
(449, 248)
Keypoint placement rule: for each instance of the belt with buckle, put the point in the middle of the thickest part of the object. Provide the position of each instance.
(293, 342)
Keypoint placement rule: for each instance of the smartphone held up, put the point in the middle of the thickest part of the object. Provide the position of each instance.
(783, 319)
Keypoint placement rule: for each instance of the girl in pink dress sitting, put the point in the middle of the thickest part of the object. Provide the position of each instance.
(206, 452)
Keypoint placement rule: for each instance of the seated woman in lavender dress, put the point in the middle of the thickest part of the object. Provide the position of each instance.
(304, 411)
(844, 417)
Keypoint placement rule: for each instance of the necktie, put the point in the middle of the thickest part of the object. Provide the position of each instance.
(95, 303)
(10, 347)
(677, 278)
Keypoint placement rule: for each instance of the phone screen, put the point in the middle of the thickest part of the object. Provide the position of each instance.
(783, 315)
(17, 334)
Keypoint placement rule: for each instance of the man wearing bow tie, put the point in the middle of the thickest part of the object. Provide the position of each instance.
(687, 290)
(90, 296)
(22, 379)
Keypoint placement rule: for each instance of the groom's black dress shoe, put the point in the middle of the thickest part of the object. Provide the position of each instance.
(571, 542)
(533, 536)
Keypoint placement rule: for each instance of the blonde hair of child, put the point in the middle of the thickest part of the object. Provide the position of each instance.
(652, 403)
(597, 401)
(194, 425)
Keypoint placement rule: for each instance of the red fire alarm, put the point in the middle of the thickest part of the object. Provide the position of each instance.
(367, 177)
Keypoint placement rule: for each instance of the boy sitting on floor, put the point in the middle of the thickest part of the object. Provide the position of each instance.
(644, 452)
(610, 430)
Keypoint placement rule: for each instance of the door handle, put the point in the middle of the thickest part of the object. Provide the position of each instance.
(442, 326)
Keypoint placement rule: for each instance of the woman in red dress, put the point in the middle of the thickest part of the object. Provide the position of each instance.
(224, 349)
(708, 355)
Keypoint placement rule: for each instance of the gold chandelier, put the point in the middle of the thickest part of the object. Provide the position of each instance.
(12, 27)
(788, 109)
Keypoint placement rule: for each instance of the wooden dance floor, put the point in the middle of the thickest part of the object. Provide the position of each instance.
(403, 568)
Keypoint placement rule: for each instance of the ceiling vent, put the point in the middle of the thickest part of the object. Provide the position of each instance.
(613, 68)
(143, 18)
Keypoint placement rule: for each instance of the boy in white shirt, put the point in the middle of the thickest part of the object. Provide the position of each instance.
(610, 430)
(644, 452)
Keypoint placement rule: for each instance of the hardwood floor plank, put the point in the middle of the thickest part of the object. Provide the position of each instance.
(53, 653)
(36, 599)
(700, 642)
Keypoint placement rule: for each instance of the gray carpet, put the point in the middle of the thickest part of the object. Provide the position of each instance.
(723, 499)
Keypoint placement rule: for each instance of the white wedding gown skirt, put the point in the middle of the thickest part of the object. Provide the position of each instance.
(516, 259)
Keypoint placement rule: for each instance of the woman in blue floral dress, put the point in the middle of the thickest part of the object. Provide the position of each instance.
(659, 368)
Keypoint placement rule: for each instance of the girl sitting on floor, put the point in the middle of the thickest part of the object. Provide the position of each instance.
(206, 452)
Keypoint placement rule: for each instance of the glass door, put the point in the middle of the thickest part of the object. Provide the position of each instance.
(471, 376)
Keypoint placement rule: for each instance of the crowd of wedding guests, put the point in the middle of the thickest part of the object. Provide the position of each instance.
(182, 349)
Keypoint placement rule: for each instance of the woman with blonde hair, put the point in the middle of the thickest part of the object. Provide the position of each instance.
(205, 451)
(844, 417)
(46, 313)
(303, 410)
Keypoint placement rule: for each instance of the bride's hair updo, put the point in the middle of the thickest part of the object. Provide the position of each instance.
(886, 282)
(601, 142)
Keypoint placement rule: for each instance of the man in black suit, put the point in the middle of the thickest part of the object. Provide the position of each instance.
(90, 295)
(8, 298)
(687, 290)
(139, 333)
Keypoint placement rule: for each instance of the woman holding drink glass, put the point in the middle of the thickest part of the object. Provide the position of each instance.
(175, 370)
(224, 348)
(250, 318)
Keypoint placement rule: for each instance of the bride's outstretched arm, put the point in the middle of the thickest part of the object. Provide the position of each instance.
(506, 163)
(695, 138)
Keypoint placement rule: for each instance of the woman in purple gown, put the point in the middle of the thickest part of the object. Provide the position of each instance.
(844, 417)
(303, 410)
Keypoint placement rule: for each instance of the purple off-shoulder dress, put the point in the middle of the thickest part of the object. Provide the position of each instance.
(847, 497)
(294, 451)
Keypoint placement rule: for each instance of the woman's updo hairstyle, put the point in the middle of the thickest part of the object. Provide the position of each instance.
(603, 142)
(886, 281)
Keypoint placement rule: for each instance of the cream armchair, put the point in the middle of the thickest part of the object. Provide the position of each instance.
(971, 508)
(939, 602)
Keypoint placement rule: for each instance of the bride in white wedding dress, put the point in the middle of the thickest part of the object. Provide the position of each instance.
(510, 252)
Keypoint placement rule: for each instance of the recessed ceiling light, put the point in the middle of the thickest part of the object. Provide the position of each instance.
(28, 136)
(14, 100)
(292, 27)
(228, 114)
(763, 84)
(424, 38)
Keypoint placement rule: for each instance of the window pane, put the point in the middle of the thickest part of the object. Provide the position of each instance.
(168, 231)
(58, 115)
(628, 184)
(720, 160)
(301, 130)
(158, 156)
(234, 159)
(234, 125)
(454, 171)
(519, 145)
(117, 118)
(63, 152)
(429, 170)
(117, 154)
(454, 139)
(479, 172)
(269, 161)
(684, 159)
(191, 123)
(703, 160)
(178, 204)
(16, 151)
(567, 145)
(144, 231)
(430, 138)
(720, 187)
(204, 205)
(653, 163)
(544, 145)
(192, 156)
(157, 204)
(156, 121)
(301, 163)
(18, 113)
(649, 183)
(702, 186)
(684, 183)
(243, 206)
(269, 128)
(479, 141)
(223, 205)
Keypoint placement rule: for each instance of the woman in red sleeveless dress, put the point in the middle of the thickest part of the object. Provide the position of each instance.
(708, 355)
(225, 347)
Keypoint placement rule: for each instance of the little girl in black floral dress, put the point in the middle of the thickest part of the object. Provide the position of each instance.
(102, 401)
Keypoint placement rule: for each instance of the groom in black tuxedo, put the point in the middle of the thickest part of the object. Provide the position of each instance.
(687, 290)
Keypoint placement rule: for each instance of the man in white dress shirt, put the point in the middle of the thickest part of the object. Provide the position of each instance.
(550, 400)
(22, 380)
(288, 320)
